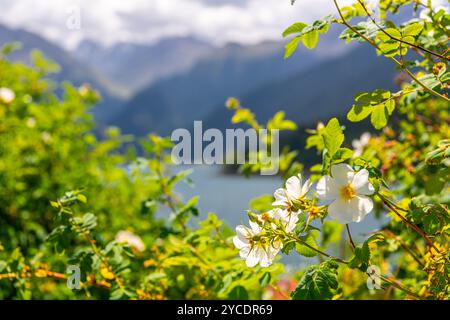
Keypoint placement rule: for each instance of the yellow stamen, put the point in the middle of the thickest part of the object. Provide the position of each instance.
(265, 216)
(314, 211)
(347, 192)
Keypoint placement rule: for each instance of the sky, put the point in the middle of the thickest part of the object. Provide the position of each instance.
(67, 22)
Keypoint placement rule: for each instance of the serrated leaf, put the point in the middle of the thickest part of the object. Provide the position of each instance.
(317, 283)
(304, 250)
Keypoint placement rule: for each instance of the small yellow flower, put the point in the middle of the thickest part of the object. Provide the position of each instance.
(149, 263)
(41, 273)
(106, 273)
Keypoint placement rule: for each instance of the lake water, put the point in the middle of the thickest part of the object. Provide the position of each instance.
(228, 196)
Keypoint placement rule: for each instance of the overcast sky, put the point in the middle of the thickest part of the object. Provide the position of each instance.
(110, 21)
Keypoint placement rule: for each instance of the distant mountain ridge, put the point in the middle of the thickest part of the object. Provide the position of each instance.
(134, 66)
(72, 70)
(234, 70)
(311, 85)
(317, 93)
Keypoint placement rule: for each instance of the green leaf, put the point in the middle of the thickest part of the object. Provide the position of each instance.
(291, 46)
(295, 28)
(388, 33)
(82, 198)
(333, 136)
(413, 30)
(89, 221)
(304, 250)
(311, 39)
(189, 206)
(265, 279)
(242, 115)
(317, 283)
(380, 114)
(361, 255)
(379, 117)
(262, 203)
(238, 293)
(280, 123)
(343, 154)
(331, 232)
(378, 104)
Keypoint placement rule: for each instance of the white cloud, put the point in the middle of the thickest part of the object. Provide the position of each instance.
(110, 21)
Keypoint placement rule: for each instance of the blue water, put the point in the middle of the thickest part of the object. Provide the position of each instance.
(228, 196)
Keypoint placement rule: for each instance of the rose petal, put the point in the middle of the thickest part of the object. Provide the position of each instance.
(361, 183)
(243, 253)
(306, 186)
(327, 189)
(252, 258)
(293, 187)
(342, 174)
(240, 243)
(341, 211)
(364, 205)
(281, 198)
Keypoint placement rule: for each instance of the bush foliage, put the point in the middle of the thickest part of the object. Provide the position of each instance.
(69, 196)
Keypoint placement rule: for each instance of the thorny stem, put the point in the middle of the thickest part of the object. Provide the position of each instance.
(105, 262)
(404, 246)
(399, 64)
(409, 223)
(392, 282)
(168, 196)
(300, 241)
(399, 286)
(396, 284)
(350, 237)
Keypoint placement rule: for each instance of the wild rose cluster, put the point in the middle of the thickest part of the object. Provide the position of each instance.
(343, 196)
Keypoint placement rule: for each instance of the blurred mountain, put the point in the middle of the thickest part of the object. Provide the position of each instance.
(134, 66)
(318, 93)
(71, 69)
(233, 70)
(186, 79)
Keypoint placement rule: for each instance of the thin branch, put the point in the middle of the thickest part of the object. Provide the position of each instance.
(399, 40)
(300, 241)
(408, 222)
(404, 246)
(399, 286)
(400, 65)
(350, 237)
(48, 275)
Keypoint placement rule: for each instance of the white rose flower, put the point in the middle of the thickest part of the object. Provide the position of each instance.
(359, 145)
(347, 191)
(295, 190)
(253, 246)
(131, 239)
(288, 219)
(6, 95)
